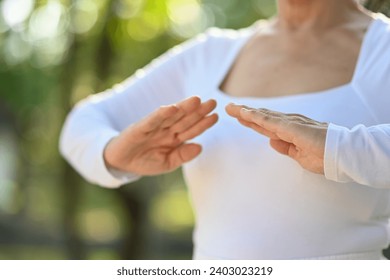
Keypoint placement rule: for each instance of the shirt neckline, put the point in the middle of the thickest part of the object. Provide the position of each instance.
(240, 45)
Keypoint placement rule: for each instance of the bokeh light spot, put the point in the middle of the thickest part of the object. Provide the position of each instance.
(45, 21)
(16, 49)
(144, 28)
(126, 9)
(172, 212)
(188, 17)
(16, 12)
(100, 225)
(85, 16)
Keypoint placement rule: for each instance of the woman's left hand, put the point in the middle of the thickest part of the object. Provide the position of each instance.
(294, 135)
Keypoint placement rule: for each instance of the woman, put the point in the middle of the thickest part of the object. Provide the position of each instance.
(320, 58)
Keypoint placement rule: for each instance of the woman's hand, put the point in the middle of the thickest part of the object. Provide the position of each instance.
(157, 143)
(294, 135)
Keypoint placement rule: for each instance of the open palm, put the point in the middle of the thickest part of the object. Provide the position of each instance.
(158, 143)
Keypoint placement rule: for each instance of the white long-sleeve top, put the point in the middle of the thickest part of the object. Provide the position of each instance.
(360, 154)
(249, 201)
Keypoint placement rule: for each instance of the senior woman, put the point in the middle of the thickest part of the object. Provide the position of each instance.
(320, 58)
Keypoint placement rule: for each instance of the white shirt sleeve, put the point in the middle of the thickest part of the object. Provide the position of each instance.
(360, 154)
(99, 118)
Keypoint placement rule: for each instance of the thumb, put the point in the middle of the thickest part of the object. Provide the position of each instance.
(184, 153)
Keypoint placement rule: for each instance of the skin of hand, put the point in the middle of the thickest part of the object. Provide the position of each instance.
(158, 143)
(294, 135)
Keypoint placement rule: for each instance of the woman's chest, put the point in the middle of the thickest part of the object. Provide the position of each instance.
(274, 71)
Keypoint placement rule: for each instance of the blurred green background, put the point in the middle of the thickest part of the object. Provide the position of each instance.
(54, 53)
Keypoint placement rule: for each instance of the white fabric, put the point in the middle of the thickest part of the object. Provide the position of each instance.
(249, 201)
(375, 255)
(360, 154)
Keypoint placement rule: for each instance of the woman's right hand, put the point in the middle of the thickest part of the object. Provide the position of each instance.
(157, 143)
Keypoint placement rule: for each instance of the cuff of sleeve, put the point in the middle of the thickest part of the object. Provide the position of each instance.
(331, 152)
(123, 176)
(108, 177)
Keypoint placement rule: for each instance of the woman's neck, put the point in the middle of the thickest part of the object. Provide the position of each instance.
(314, 14)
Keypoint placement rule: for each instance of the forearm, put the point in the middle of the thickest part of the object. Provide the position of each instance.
(361, 154)
(83, 139)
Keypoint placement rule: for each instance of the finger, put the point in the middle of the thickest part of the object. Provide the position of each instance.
(293, 152)
(189, 104)
(170, 121)
(155, 119)
(259, 129)
(280, 146)
(273, 124)
(184, 153)
(198, 128)
(194, 117)
(261, 117)
(257, 116)
(234, 109)
(245, 123)
(272, 113)
(300, 119)
(184, 107)
(281, 127)
(285, 148)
